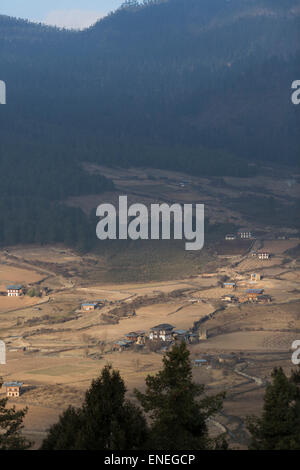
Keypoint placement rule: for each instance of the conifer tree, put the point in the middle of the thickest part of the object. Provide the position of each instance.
(106, 421)
(177, 406)
(11, 425)
(279, 426)
(65, 434)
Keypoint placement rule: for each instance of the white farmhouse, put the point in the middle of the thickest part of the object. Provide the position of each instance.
(14, 291)
(161, 332)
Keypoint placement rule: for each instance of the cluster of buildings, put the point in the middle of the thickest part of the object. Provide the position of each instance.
(255, 295)
(261, 254)
(243, 234)
(164, 333)
(247, 235)
(251, 295)
(212, 361)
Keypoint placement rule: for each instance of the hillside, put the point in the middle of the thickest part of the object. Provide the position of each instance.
(196, 86)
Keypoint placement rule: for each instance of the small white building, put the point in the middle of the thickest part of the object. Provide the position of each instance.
(245, 234)
(14, 291)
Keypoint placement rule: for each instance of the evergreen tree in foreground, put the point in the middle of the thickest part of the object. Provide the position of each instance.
(177, 406)
(106, 421)
(11, 425)
(279, 426)
(65, 434)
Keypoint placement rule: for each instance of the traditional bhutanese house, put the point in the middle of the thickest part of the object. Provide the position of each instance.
(229, 285)
(200, 362)
(89, 306)
(13, 389)
(161, 332)
(136, 337)
(252, 294)
(245, 234)
(255, 277)
(263, 255)
(230, 236)
(14, 291)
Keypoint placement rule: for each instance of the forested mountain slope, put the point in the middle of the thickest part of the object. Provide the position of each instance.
(196, 85)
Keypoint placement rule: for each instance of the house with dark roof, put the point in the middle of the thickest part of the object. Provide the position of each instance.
(254, 293)
(13, 389)
(251, 295)
(89, 306)
(161, 332)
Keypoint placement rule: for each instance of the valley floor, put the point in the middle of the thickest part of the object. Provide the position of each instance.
(56, 349)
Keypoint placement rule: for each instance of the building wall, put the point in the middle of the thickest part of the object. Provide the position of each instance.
(12, 293)
(13, 392)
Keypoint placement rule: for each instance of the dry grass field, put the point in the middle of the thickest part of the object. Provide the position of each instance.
(54, 347)
(15, 275)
